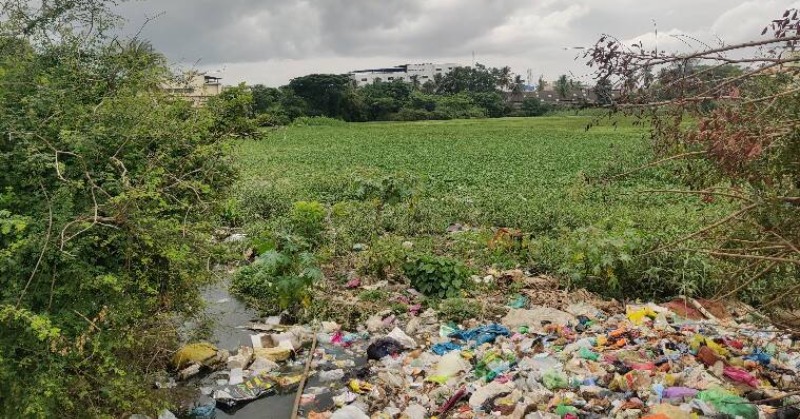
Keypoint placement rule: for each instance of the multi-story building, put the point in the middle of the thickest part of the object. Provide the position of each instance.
(406, 72)
(195, 86)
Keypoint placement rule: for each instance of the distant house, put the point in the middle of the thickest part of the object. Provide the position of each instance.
(405, 73)
(195, 86)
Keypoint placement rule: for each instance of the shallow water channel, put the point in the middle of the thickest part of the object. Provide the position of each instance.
(229, 315)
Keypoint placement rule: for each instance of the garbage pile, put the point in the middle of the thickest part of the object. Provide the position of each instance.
(682, 359)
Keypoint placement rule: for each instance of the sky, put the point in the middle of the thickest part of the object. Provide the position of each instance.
(273, 41)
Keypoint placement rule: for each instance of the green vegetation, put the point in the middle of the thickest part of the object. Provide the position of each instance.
(540, 180)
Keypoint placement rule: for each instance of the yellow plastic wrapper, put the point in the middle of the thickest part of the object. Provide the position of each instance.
(194, 353)
(273, 354)
(641, 315)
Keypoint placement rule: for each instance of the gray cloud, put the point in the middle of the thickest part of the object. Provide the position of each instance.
(274, 40)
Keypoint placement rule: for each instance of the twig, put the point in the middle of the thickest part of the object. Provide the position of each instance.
(702, 231)
(44, 247)
(748, 281)
(745, 256)
(91, 323)
(305, 377)
(678, 191)
(656, 163)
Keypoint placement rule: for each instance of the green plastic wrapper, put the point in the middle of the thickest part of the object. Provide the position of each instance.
(554, 380)
(728, 403)
(587, 353)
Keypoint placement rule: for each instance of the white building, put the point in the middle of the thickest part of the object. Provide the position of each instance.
(405, 72)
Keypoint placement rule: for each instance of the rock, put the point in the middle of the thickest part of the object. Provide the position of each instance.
(360, 247)
(408, 245)
(533, 318)
(166, 414)
(482, 394)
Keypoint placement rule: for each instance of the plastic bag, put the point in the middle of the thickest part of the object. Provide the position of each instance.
(740, 376)
(251, 389)
(384, 347)
(554, 380)
(728, 403)
(443, 348)
(450, 365)
(586, 353)
(483, 334)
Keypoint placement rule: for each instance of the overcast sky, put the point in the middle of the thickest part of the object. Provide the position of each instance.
(272, 41)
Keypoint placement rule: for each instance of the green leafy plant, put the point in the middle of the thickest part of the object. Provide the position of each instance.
(308, 220)
(459, 309)
(373, 296)
(278, 280)
(437, 276)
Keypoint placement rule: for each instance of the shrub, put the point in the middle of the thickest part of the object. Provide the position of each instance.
(278, 280)
(437, 276)
(459, 309)
(272, 119)
(318, 121)
(308, 220)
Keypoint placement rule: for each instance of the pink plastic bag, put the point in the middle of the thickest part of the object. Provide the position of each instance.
(740, 376)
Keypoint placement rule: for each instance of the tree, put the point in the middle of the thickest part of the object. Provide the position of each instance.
(265, 98)
(518, 86)
(563, 86)
(541, 84)
(323, 93)
(603, 91)
(734, 133)
(109, 192)
(415, 84)
(532, 106)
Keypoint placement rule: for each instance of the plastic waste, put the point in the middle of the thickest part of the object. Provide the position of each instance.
(760, 357)
(673, 393)
(384, 347)
(253, 388)
(349, 412)
(740, 376)
(276, 354)
(554, 380)
(728, 403)
(483, 334)
(401, 337)
(443, 348)
(194, 353)
(449, 366)
(641, 315)
(518, 301)
(332, 375)
(586, 353)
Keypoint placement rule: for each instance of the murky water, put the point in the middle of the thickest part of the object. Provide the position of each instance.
(229, 315)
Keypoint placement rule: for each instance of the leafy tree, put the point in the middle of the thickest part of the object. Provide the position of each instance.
(563, 86)
(532, 106)
(323, 93)
(265, 98)
(603, 91)
(108, 193)
(233, 110)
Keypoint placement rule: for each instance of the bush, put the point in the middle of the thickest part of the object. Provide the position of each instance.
(272, 119)
(459, 309)
(407, 114)
(308, 220)
(318, 121)
(109, 190)
(278, 280)
(532, 106)
(437, 276)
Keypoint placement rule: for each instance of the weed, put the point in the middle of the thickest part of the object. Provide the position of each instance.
(459, 309)
(437, 276)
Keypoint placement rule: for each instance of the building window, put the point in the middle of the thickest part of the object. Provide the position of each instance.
(449, 68)
(363, 79)
(439, 70)
(424, 77)
(391, 78)
(401, 79)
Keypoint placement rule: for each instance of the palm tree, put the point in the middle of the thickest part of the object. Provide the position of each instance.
(518, 86)
(415, 84)
(504, 78)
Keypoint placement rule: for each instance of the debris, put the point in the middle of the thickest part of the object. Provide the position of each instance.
(535, 318)
(253, 388)
(196, 353)
(384, 347)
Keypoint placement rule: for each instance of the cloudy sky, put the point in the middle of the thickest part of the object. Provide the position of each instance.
(272, 41)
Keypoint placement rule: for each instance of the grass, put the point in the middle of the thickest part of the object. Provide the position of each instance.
(528, 173)
(542, 176)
